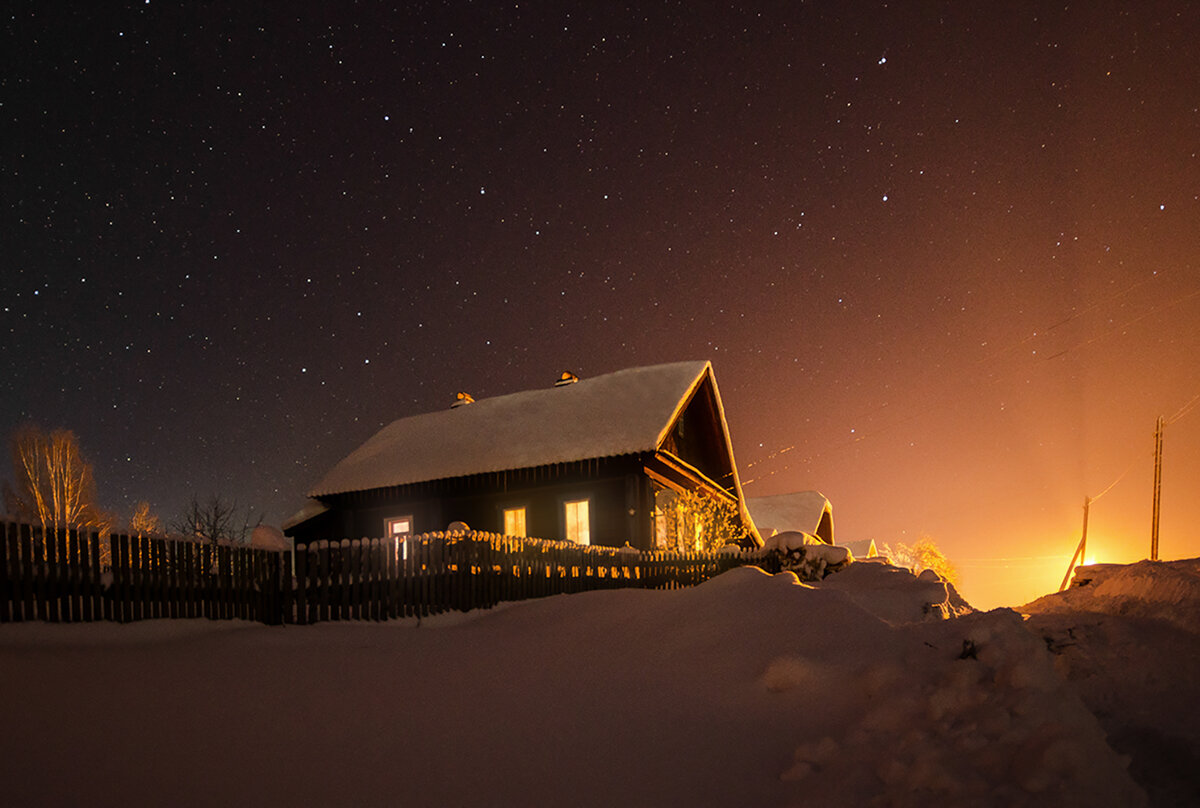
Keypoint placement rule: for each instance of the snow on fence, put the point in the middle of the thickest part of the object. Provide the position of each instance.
(80, 576)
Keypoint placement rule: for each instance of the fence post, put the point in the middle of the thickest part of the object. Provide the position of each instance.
(324, 584)
(286, 581)
(183, 555)
(74, 576)
(162, 576)
(391, 576)
(7, 590)
(135, 579)
(316, 596)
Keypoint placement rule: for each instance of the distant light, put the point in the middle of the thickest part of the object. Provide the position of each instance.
(885, 197)
(882, 60)
(1162, 207)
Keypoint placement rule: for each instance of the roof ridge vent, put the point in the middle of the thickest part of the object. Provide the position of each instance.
(462, 399)
(566, 378)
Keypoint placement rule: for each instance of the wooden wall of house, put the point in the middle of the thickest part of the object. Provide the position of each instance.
(621, 503)
(697, 438)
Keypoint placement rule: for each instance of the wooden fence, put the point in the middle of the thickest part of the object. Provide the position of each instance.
(380, 579)
(77, 576)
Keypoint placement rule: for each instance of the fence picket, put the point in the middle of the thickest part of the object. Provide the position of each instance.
(7, 553)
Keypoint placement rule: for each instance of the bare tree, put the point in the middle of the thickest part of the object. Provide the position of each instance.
(215, 521)
(143, 522)
(53, 484)
(922, 555)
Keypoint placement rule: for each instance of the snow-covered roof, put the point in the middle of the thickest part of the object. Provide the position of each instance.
(861, 548)
(307, 511)
(625, 412)
(801, 510)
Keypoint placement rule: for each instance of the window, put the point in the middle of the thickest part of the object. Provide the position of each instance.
(578, 525)
(514, 522)
(399, 527)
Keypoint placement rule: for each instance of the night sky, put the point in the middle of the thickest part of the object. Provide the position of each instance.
(944, 257)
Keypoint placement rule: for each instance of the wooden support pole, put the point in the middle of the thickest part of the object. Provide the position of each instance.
(1081, 550)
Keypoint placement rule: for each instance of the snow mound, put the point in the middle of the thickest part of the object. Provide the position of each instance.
(805, 554)
(266, 537)
(1160, 590)
(790, 541)
(895, 595)
(985, 723)
(1126, 638)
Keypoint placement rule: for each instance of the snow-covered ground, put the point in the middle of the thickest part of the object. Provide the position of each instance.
(872, 688)
(1128, 641)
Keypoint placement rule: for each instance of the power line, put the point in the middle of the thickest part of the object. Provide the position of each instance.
(1055, 556)
(1184, 410)
(1087, 310)
(1128, 469)
(1126, 324)
(989, 360)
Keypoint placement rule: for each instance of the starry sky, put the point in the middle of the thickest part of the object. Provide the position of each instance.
(944, 256)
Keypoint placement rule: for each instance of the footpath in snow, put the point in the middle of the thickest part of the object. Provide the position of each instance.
(873, 688)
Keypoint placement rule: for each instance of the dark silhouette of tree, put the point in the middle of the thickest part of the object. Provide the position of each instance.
(215, 521)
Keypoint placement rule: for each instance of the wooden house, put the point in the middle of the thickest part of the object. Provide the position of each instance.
(586, 460)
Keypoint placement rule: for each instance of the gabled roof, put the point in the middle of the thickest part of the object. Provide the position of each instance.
(625, 412)
(802, 510)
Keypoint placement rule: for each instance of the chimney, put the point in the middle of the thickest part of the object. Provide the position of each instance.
(461, 399)
(566, 378)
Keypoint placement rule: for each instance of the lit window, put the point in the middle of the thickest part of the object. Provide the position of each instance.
(578, 524)
(399, 526)
(514, 522)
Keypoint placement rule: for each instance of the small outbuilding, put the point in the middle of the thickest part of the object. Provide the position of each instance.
(803, 511)
(594, 461)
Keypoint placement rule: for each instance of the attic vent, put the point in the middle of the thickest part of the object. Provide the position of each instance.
(462, 398)
(566, 378)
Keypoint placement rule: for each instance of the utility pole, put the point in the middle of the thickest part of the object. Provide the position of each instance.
(1081, 550)
(1158, 441)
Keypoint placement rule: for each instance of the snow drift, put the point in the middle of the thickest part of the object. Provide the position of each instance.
(1127, 639)
(750, 689)
(1160, 590)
